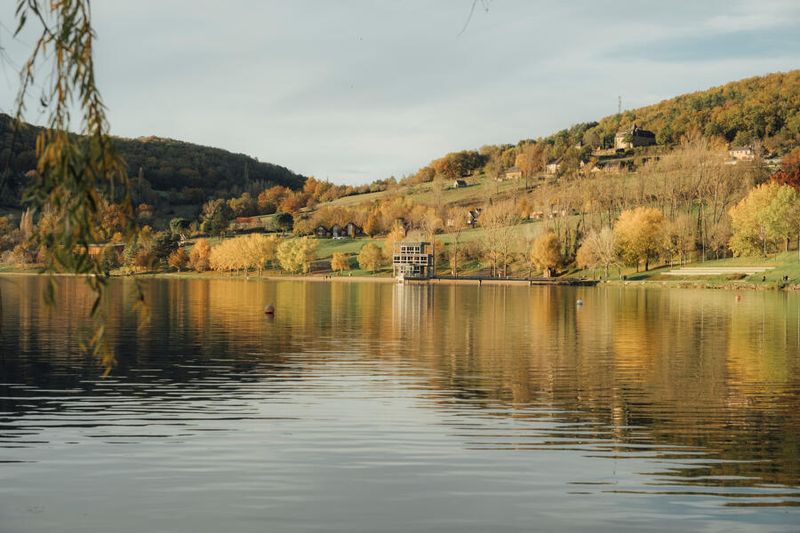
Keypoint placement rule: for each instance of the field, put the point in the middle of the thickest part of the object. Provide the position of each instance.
(478, 189)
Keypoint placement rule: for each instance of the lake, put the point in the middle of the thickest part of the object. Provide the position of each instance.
(366, 407)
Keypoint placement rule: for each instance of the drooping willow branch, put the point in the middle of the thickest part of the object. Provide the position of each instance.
(76, 174)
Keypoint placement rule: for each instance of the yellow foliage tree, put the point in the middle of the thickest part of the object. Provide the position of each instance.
(373, 225)
(178, 259)
(397, 234)
(767, 216)
(500, 239)
(244, 253)
(259, 251)
(340, 262)
(597, 249)
(639, 235)
(546, 253)
(227, 256)
(370, 257)
(297, 255)
(199, 254)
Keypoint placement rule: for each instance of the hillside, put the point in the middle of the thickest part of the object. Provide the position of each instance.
(166, 164)
(763, 108)
(763, 111)
(576, 182)
(574, 193)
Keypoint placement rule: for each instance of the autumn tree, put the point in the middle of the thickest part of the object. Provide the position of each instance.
(215, 217)
(457, 164)
(228, 256)
(639, 235)
(178, 259)
(530, 160)
(718, 236)
(789, 173)
(270, 199)
(680, 237)
(500, 238)
(285, 254)
(457, 222)
(293, 202)
(297, 255)
(199, 254)
(370, 257)
(397, 234)
(546, 253)
(113, 219)
(429, 225)
(340, 261)
(302, 224)
(767, 216)
(261, 251)
(246, 252)
(597, 250)
(243, 206)
(139, 250)
(10, 236)
(374, 225)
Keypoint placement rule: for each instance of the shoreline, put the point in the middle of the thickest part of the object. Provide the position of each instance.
(689, 284)
(320, 278)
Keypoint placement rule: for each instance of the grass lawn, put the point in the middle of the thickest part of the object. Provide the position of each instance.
(784, 264)
(327, 247)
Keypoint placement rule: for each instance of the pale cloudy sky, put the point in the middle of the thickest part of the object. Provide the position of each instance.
(357, 90)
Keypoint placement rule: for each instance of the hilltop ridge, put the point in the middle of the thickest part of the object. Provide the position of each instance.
(188, 172)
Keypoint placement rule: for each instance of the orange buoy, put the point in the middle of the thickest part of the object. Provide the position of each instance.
(269, 310)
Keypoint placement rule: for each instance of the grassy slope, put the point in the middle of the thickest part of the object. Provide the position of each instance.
(474, 195)
(785, 264)
(478, 190)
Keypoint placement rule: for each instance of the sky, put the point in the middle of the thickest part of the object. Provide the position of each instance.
(353, 91)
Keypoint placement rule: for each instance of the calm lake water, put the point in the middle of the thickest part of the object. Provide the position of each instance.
(373, 407)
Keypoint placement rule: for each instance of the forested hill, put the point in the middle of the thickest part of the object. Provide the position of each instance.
(763, 108)
(167, 165)
(763, 111)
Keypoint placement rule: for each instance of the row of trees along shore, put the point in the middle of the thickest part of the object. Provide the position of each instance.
(685, 205)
